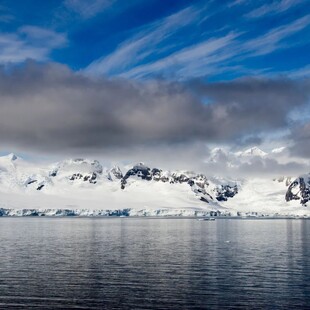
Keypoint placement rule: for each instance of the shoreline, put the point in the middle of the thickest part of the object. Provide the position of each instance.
(151, 213)
(113, 217)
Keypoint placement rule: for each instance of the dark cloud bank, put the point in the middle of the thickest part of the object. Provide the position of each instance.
(48, 108)
(301, 137)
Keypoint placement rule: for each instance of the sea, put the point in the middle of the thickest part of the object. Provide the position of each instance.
(154, 263)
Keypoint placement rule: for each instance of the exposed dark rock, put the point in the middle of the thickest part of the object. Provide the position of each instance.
(179, 178)
(139, 170)
(115, 173)
(32, 181)
(226, 191)
(93, 178)
(53, 173)
(199, 183)
(40, 187)
(191, 182)
(76, 176)
(299, 189)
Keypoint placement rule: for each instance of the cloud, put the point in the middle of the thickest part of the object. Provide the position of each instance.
(300, 137)
(250, 106)
(181, 156)
(141, 56)
(275, 38)
(5, 15)
(272, 8)
(258, 167)
(142, 44)
(251, 140)
(237, 3)
(225, 163)
(51, 108)
(45, 37)
(190, 61)
(303, 72)
(29, 42)
(88, 8)
(48, 108)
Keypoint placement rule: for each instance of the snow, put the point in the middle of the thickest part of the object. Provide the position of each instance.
(265, 196)
(253, 151)
(278, 150)
(83, 196)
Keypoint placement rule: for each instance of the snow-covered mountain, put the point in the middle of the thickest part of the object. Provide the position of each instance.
(85, 184)
(85, 187)
(253, 151)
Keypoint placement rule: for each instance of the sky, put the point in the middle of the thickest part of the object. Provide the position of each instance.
(148, 80)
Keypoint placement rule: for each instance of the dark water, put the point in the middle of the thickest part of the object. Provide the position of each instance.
(154, 264)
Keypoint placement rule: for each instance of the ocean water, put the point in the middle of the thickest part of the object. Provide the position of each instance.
(141, 263)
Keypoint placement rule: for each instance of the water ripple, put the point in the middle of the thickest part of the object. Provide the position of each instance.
(154, 264)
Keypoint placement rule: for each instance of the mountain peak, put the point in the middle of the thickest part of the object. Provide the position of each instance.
(254, 151)
(11, 157)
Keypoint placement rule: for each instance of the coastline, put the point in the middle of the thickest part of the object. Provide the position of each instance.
(155, 214)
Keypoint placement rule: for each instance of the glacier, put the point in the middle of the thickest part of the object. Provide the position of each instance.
(83, 187)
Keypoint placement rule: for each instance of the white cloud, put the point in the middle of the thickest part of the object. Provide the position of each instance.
(142, 44)
(218, 54)
(303, 72)
(88, 8)
(248, 163)
(5, 15)
(43, 36)
(196, 58)
(274, 39)
(273, 7)
(153, 51)
(29, 42)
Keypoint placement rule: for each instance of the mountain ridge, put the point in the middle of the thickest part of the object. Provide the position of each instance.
(87, 184)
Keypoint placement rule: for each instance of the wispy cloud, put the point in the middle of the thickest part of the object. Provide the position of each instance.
(42, 36)
(274, 39)
(29, 42)
(303, 72)
(153, 49)
(88, 8)
(219, 54)
(143, 43)
(5, 15)
(237, 2)
(193, 59)
(273, 7)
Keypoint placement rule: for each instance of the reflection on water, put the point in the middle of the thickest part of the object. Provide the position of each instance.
(154, 263)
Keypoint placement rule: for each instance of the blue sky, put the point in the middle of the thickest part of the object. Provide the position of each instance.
(174, 40)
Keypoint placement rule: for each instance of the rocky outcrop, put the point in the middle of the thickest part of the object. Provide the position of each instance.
(299, 189)
(226, 191)
(69, 176)
(115, 173)
(199, 183)
(91, 178)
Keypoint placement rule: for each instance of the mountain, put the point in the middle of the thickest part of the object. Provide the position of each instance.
(85, 187)
(85, 184)
(299, 190)
(199, 184)
(253, 151)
